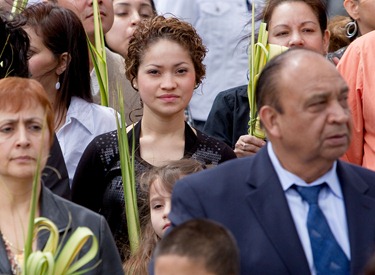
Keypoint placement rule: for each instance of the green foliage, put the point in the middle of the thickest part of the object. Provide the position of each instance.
(128, 179)
(260, 53)
(98, 56)
(54, 260)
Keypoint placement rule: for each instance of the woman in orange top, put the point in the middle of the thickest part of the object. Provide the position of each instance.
(357, 67)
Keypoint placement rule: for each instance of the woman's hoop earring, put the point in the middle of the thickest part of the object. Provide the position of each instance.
(351, 29)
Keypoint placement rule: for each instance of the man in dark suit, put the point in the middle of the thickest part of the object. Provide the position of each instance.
(302, 105)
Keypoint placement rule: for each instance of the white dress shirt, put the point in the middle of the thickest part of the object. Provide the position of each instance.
(84, 121)
(330, 201)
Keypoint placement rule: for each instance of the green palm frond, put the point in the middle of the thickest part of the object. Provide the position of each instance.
(54, 260)
(98, 56)
(128, 179)
(260, 53)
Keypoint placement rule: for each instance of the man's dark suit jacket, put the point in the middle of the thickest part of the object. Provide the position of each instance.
(246, 196)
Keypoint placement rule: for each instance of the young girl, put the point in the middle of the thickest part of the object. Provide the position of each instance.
(158, 182)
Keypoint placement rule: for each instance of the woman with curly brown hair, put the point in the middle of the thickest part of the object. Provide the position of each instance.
(164, 63)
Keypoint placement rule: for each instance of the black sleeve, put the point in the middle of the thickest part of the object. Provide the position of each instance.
(55, 175)
(220, 119)
(111, 260)
(88, 182)
(227, 153)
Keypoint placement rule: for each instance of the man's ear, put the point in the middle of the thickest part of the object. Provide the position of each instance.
(64, 61)
(269, 118)
(351, 7)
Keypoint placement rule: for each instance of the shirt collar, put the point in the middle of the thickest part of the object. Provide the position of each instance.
(287, 179)
(80, 110)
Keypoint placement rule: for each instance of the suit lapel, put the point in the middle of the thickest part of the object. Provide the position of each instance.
(360, 212)
(268, 202)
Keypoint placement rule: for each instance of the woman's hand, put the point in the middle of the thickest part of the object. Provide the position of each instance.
(248, 145)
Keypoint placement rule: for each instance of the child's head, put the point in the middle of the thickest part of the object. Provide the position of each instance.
(197, 247)
(159, 182)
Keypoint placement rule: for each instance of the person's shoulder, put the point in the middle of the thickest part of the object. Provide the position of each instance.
(358, 173)
(114, 57)
(103, 143)
(206, 139)
(103, 111)
(116, 66)
(82, 107)
(233, 92)
(362, 46)
(226, 100)
(78, 213)
(223, 177)
(110, 136)
(368, 38)
(353, 168)
(100, 108)
(210, 142)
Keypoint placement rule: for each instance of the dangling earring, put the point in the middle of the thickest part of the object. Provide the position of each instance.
(351, 29)
(57, 85)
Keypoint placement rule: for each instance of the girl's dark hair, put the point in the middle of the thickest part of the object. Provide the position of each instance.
(62, 32)
(14, 46)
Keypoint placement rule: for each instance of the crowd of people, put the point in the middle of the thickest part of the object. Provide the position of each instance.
(211, 198)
